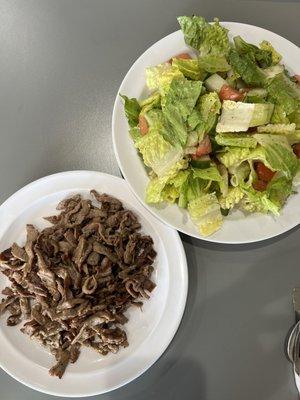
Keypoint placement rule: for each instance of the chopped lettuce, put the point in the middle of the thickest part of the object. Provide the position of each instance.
(207, 38)
(234, 196)
(206, 214)
(158, 153)
(190, 68)
(132, 110)
(263, 57)
(180, 101)
(213, 63)
(239, 173)
(236, 139)
(254, 201)
(211, 173)
(204, 116)
(159, 188)
(279, 115)
(276, 57)
(281, 129)
(278, 154)
(246, 68)
(238, 116)
(160, 77)
(135, 133)
(284, 92)
(150, 102)
(279, 189)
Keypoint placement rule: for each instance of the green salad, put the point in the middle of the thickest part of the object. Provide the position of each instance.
(220, 129)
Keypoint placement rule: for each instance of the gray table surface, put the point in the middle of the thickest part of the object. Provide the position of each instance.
(61, 64)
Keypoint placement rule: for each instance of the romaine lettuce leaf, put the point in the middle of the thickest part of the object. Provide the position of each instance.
(279, 154)
(236, 139)
(255, 201)
(160, 77)
(279, 189)
(237, 116)
(206, 214)
(157, 153)
(284, 92)
(190, 68)
(204, 116)
(211, 173)
(279, 115)
(207, 38)
(132, 110)
(135, 133)
(150, 102)
(281, 129)
(239, 173)
(262, 57)
(166, 187)
(180, 101)
(213, 63)
(246, 68)
(276, 57)
(234, 196)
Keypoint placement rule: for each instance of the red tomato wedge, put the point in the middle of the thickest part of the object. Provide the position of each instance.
(297, 77)
(143, 125)
(264, 173)
(203, 148)
(228, 93)
(260, 185)
(296, 149)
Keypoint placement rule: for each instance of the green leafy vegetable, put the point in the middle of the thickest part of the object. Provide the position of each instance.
(211, 173)
(234, 196)
(190, 69)
(207, 38)
(284, 92)
(160, 77)
(213, 63)
(157, 153)
(206, 214)
(262, 57)
(246, 68)
(276, 57)
(204, 116)
(132, 110)
(279, 154)
(236, 139)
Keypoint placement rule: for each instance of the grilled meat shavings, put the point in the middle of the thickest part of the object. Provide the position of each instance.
(72, 282)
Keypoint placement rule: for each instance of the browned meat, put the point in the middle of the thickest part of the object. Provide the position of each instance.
(72, 282)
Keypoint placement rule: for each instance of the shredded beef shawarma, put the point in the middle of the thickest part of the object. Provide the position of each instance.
(73, 281)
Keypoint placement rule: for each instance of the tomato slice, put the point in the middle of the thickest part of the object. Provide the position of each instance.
(203, 148)
(260, 185)
(228, 93)
(143, 125)
(264, 173)
(296, 149)
(297, 77)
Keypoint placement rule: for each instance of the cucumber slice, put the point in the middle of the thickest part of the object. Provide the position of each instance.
(202, 162)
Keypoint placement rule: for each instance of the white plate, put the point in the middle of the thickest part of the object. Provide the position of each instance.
(236, 228)
(149, 331)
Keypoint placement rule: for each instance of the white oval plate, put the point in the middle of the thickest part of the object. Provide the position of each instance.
(149, 331)
(236, 228)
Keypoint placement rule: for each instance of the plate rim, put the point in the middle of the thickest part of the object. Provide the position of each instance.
(152, 209)
(181, 310)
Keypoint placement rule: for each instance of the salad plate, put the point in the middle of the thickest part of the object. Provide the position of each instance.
(240, 225)
(149, 330)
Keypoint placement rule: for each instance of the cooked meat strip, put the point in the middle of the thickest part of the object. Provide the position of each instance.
(72, 282)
